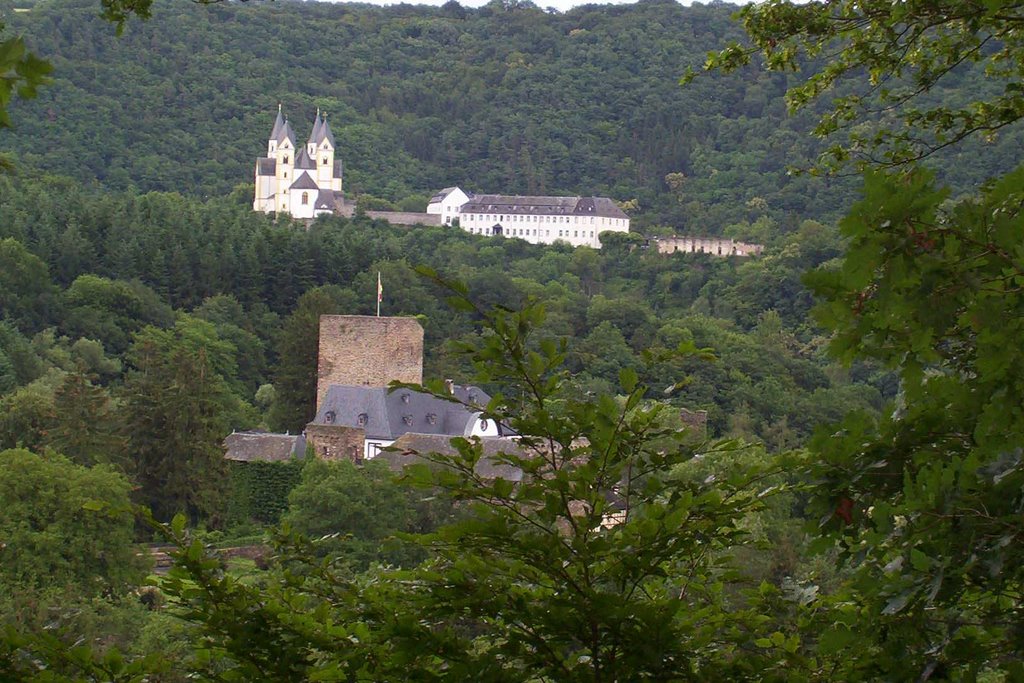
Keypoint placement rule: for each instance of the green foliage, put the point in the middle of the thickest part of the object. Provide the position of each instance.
(19, 363)
(21, 73)
(176, 412)
(84, 426)
(259, 490)
(25, 288)
(923, 503)
(297, 347)
(914, 57)
(357, 512)
(50, 540)
(929, 493)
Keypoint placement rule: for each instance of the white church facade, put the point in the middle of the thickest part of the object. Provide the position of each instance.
(301, 180)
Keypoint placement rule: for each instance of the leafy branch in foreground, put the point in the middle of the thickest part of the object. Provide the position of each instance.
(931, 495)
(902, 50)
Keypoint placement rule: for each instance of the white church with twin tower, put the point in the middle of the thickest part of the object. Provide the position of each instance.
(304, 181)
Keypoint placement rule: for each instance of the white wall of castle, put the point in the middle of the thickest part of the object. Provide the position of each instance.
(576, 230)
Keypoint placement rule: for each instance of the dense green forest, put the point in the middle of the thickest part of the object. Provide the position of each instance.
(852, 512)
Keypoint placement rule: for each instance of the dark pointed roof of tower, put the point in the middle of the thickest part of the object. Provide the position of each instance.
(278, 124)
(317, 123)
(324, 133)
(286, 133)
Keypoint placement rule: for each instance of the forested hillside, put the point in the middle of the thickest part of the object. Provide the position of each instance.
(505, 98)
(103, 267)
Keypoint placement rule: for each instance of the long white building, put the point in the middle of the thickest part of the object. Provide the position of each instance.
(540, 220)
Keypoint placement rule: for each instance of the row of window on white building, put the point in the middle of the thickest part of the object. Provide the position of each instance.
(528, 218)
(525, 232)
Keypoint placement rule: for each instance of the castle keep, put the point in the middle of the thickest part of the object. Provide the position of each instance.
(366, 351)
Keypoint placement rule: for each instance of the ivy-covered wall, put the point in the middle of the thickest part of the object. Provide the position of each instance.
(259, 490)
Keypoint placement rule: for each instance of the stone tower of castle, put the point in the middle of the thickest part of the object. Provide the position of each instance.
(363, 350)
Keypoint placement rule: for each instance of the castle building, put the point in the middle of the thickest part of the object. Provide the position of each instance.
(304, 181)
(539, 220)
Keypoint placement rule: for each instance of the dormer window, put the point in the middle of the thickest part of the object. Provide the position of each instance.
(405, 398)
(431, 419)
(362, 419)
(407, 419)
(330, 416)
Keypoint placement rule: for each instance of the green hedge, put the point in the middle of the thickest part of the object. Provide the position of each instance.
(259, 490)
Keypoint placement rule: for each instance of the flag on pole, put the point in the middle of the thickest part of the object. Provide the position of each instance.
(380, 293)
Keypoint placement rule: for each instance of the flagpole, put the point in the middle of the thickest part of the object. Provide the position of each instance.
(380, 293)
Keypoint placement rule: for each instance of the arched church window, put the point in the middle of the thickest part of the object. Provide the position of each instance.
(285, 159)
(305, 198)
(325, 161)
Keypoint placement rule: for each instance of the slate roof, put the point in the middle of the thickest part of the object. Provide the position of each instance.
(317, 122)
(266, 166)
(278, 124)
(543, 206)
(409, 447)
(303, 182)
(388, 415)
(264, 447)
(324, 133)
(324, 200)
(286, 133)
(442, 194)
(303, 160)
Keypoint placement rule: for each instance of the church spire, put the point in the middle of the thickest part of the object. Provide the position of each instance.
(317, 122)
(278, 124)
(324, 133)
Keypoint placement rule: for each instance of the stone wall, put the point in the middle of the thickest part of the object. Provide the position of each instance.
(335, 442)
(716, 246)
(363, 350)
(406, 217)
(348, 209)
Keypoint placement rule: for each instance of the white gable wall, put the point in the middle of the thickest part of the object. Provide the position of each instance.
(300, 208)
